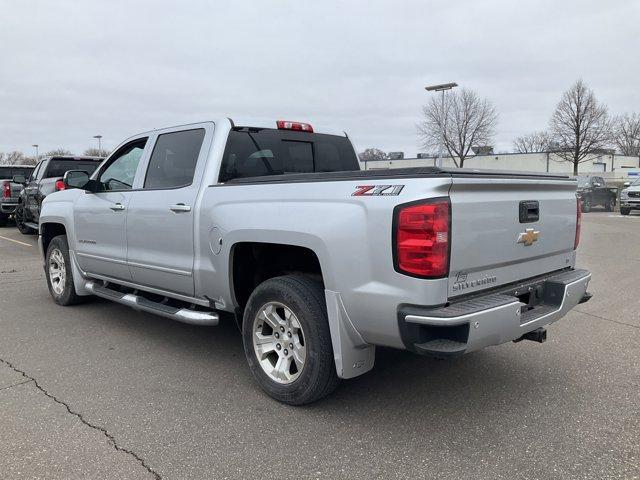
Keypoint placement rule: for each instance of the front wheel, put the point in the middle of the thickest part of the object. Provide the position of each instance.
(586, 205)
(625, 211)
(20, 221)
(287, 342)
(58, 272)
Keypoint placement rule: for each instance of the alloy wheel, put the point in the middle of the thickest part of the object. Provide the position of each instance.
(57, 271)
(279, 342)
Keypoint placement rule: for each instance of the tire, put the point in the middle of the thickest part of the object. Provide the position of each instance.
(19, 217)
(610, 205)
(266, 312)
(625, 211)
(586, 205)
(63, 290)
(4, 218)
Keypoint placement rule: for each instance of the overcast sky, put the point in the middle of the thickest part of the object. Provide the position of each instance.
(73, 69)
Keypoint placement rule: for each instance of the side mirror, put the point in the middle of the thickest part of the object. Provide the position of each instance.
(19, 179)
(75, 179)
(627, 184)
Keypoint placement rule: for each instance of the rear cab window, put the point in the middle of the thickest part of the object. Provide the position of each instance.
(10, 172)
(256, 152)
(58, 167)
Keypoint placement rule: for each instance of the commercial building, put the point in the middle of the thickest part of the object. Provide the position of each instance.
(606, 164)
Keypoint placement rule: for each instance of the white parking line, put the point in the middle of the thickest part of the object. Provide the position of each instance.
(623, 216)
(16, 241)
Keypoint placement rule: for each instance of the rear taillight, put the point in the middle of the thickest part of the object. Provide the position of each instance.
(578, 223)
(287, 125)
(421, 238)
(59, 185)
(6, 190)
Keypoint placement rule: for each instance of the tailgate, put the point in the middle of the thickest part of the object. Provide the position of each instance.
(15, 190)
(509, 228)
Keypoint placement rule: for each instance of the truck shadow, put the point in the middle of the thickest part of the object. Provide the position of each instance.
(402, 387)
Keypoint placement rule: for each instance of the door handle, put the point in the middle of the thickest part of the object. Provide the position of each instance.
(117, 207)
(180, 207)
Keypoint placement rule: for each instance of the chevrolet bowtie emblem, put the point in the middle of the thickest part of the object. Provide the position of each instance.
(528, 237)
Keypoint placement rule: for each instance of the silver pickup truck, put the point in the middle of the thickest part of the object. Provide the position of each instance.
(318, 261)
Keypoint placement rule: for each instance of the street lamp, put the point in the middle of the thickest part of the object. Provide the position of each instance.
(36, 145)
(441, 88)
(99, 137)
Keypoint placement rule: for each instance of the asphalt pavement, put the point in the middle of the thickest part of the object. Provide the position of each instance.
(100, 391)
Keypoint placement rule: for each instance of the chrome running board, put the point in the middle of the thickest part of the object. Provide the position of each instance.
(184, 315)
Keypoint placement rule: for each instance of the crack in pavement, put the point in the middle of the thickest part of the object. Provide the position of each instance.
(111, 439)
(605, 318)
(15, 385)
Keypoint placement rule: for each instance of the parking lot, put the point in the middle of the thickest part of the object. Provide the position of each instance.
(102, 391)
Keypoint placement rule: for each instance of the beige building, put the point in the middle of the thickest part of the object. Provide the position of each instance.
(606, 164)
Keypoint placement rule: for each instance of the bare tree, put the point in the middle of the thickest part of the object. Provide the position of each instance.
(626, 134)
(468, 120)
(59, 152)
(371, 155)
(534, 142)
(12, 158)
(95, 152)
(580, 126)
(29, 161)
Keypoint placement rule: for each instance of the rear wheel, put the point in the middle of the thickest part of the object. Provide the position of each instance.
(287, 340)
(3, 219)
(625, 211)
(20, 219)
(586, 205)
(58, 272)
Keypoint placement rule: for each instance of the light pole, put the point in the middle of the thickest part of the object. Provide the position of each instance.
(99, 137)
(36, 145)
(441, 88)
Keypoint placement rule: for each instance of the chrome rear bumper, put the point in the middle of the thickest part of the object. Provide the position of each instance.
(493, 319)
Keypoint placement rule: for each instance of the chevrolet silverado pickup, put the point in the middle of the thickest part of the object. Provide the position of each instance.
(10, 188)
(319, 262)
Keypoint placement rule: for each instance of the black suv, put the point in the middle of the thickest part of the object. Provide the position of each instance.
(592, 191)
(46, 178)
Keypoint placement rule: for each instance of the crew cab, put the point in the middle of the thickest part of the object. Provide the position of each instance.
(46, 178)
(593, 192)
(275, 225)
(11, 179)
(630, 197)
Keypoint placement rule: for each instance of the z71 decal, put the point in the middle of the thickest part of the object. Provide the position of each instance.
(377, 190)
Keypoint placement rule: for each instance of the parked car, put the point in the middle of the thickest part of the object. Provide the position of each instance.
(318, 261)
(630, 197)
(593, 191)
(10, 190)
(46, 178)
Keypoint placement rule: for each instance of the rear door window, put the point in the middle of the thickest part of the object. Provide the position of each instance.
(253, 152)
(174, 158)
